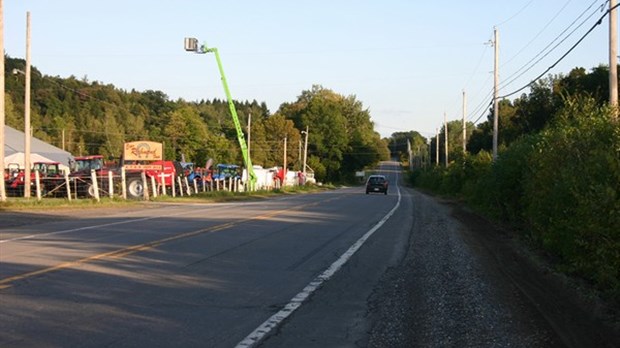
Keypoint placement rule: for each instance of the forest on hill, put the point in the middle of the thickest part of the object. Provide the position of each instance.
(90, 117)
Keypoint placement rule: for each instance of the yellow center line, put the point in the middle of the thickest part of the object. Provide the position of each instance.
(120, 253)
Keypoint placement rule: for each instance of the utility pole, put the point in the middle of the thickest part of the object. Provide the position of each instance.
(430, 154)
(464, 123)
(437, 149)
(613, 58)
(299, 159)
(305, 151)
(27, 181)
(284, 169)
(409, 155)
(249, 135)
(445, 125)
(495, 92)
(2, 117)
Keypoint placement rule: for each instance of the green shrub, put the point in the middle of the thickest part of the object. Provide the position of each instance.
(508, 178)
(561, 186)
(573, 193)
(476, 190)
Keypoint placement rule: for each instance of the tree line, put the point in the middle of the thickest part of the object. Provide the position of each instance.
(89, 117)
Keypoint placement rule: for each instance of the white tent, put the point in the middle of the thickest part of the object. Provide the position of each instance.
(14, 145)
(17, 159)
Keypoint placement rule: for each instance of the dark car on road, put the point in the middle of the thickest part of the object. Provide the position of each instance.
(377, 183)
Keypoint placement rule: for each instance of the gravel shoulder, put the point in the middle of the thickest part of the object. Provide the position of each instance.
(467, 283)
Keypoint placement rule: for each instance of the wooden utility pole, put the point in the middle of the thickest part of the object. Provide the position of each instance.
(437, 149)
(464, 123)
(445, 125)
(249, 136)
(305, 152)
(284, 170)
(27, 132)
(613, 58)
(299, 159)
(2, 120)
(495, 92)
(430, 154)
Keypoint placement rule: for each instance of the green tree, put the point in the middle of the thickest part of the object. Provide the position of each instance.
(276, 129)
(340, 133)
(187, 134)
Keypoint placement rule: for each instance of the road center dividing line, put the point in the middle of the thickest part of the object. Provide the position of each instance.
(275, 320)
(33, 236)
(120, 253)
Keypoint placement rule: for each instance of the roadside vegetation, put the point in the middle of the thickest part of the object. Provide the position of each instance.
(557, 183)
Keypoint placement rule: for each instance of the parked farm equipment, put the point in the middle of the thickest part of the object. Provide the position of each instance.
(50, 178)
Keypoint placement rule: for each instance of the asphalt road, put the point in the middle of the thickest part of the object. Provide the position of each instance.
(333, 269)
(195, 275)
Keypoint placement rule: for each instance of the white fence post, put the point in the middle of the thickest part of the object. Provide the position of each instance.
(68, 185)
(93, 178)
(37, 179)
(163, 183)
(145, 186)
(154, 186)
(180, 186)
(189, 193)
(173, 184)
(123, 183)
(111, 184)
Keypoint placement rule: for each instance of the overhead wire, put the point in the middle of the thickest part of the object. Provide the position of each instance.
(516, 14)
(482, 103)
(529, 65)
(598, 22)
(481, 108)
(475, 71)
(538, 34)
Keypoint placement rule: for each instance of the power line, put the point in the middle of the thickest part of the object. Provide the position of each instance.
(516, 14)
(480, 105)
(600, 20)
(517, 74)
(539, 33)
(484, 112)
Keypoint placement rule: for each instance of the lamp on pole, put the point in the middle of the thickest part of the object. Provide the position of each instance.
(191, 45)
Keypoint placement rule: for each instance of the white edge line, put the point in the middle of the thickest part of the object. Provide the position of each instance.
(275, 320)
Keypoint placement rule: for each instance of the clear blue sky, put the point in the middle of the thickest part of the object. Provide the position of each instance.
(406, 61)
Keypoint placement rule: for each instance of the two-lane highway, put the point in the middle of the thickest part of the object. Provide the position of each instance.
(202, 275)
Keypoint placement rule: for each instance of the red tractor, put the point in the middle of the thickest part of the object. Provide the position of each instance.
(50, 175)
(82, 182)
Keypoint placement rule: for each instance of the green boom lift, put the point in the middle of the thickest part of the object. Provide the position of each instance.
(191, 45)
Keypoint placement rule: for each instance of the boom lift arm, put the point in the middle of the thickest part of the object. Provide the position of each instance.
(191, 44)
